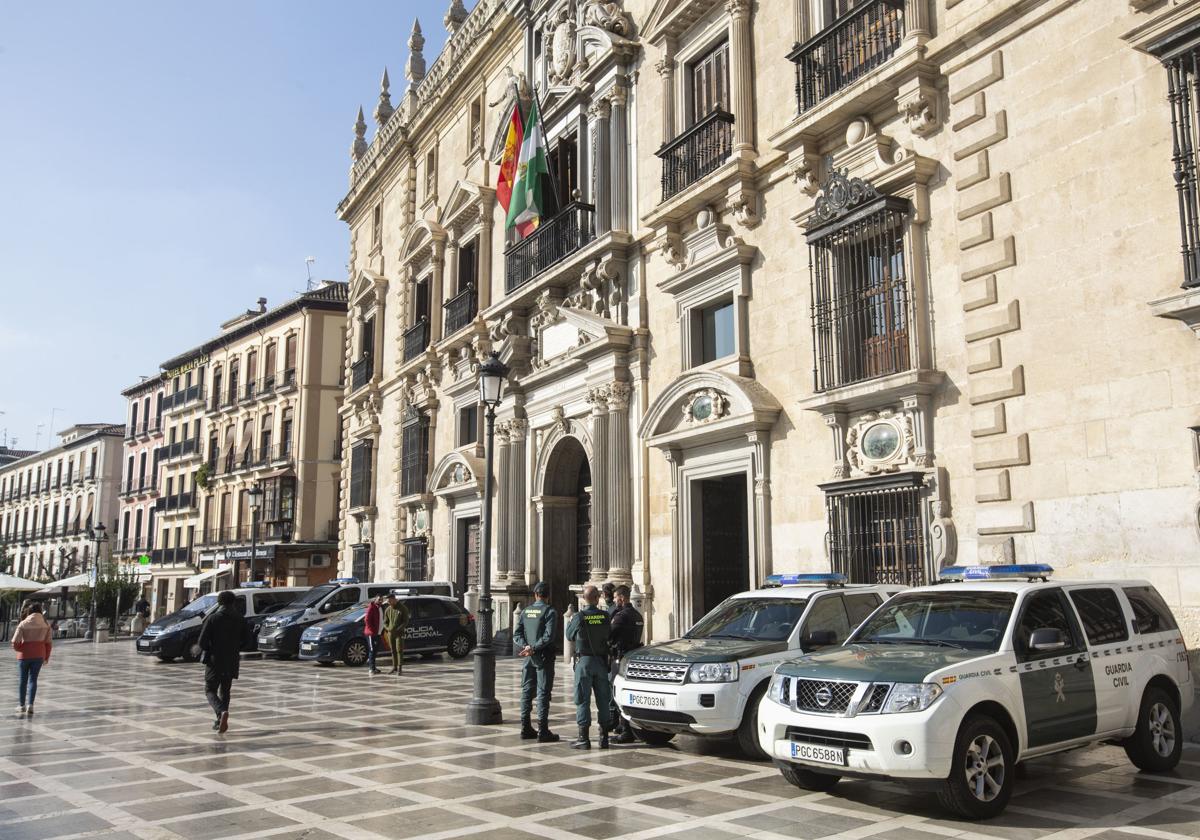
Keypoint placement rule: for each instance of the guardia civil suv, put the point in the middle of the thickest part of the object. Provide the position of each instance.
(709, 682)
(952, 685)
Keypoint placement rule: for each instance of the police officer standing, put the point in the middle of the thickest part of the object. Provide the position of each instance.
(534, 639)
(626, 635)
(589, 630)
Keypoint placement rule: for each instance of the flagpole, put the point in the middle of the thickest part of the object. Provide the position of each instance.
(553, 161)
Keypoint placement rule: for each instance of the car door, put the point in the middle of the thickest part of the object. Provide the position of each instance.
(827, 613)
(1103, 619)
(422, 633)
(1058, 691)
(859, 605)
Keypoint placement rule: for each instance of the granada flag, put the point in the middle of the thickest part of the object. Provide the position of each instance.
(508, 163)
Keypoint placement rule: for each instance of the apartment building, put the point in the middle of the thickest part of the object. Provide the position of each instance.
(134, 538)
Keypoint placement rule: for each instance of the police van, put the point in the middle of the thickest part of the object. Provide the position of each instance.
(178, 634)
(709, 681)
(952, 685)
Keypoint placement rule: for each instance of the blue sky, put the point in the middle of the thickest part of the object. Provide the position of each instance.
(162, 165)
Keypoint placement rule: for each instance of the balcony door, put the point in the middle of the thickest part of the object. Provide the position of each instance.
(709, 80)
(564, 173)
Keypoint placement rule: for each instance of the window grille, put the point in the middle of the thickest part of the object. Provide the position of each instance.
(360, 474)
(877, 532)
(416, 559)
(1183, 94)
(414, 462)
(361, 562)
(860, 293)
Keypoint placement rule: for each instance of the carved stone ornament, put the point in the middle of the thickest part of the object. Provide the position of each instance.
(943, 538)
(460, 475)
(840, 194)
(547, 312)
(705, 406)
(880, 442)
(559, 42)
(559, 421)
(608, 16)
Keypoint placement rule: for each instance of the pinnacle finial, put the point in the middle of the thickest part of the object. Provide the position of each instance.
(415, 69)
(384, 109)
(455, 16)
(359, 147)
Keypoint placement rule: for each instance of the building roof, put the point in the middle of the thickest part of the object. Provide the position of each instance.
(8, 455)
(72, 437)
(332, 296)
(147, 384)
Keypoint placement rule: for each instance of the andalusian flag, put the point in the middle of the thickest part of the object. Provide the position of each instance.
(528, 196)
(508, 163)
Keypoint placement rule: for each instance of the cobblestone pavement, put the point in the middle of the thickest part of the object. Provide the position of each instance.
(121, 747)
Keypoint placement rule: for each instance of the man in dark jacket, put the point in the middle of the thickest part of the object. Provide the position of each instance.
(626, 635)
(533, 639)
(221, 640)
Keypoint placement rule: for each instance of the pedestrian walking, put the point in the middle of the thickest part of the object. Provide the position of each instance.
(610, 603)
(533, 638)
(627, 627)
(372, 625)
(221, 638)
(32, 642)
(141, 612)
(590, 630)
(395, 623)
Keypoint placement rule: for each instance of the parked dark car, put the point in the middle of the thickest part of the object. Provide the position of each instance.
(436, 625)
(178, 634)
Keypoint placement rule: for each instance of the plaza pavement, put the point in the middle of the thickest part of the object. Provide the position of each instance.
(121, 747)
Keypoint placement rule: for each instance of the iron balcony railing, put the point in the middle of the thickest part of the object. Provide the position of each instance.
(175, 501)
(553, 241)
(460, 309)
(183, 397)
(697, 152)
(251, 456)
(178, 449)
(416, 339)
(171, 556)
(852, 46)
(361, 372)
(286, 381)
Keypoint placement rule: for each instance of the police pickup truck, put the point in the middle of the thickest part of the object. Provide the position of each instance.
(952, 685)
(709, 682)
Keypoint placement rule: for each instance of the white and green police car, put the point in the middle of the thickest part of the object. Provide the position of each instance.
(954, 684)
(710, 681)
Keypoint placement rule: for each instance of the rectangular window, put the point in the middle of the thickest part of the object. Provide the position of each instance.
(1183, 77)
(430, 174)
(360, 474)
(377, 226)
(1102, 616)
(414, 463)
(468, 265)
(715, 331)
(1150, 612)
(564, 170)
(468, 425)
(416, 565)
(709, 80)
(476, 125)
(289, 354)
(877, 535)
(361, 562)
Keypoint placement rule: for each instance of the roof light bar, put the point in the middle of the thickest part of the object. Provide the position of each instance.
(816, 579)
(1013, 571)
(345, 580)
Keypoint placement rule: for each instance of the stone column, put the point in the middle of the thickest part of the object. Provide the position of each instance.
(503, 503)
(514, 523)
(598, 398)
(620, 481)
(484, 256)
(741, 74)
(600, 112)
(437, 293)
(619, 166)
(451, 288)
(666, 71)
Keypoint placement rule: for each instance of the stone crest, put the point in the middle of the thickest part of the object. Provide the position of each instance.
(704, 406)
(880, 442)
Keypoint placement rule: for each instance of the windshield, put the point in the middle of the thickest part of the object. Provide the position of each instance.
(312, 596)
(200, 605)
(968, 620)
(753, 619)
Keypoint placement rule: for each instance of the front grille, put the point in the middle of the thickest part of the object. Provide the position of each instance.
(657, 715)
(642, 669)
(822, 696)
(879, 693)
(828, 738)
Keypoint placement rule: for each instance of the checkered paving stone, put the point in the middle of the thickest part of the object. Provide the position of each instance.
(121, 747)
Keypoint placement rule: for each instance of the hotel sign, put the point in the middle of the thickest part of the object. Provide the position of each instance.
(186, 366)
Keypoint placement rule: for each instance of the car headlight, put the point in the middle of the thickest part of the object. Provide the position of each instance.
(777, 690)
(166, 631)
(713, 672)
(912, 697)
(623, 667)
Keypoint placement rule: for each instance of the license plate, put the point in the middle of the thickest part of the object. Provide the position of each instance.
(818, 754)
(264, 640)
(650, 701)
(143, 645)
(308, 646)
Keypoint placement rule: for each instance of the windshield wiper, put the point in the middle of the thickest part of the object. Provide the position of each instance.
(881, 640)
(941, 642)
(733, 636)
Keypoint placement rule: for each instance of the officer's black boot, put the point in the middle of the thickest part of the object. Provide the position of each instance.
(583, 742)
(603, 738)
(528, 733)
(544, 735)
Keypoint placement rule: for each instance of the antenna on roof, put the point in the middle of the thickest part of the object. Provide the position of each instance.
(308, 264)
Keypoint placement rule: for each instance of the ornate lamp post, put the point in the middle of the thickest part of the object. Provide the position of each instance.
(255, 494)
(98, 538)
(483, 707)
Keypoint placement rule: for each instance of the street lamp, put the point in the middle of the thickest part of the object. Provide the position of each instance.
(483, 707)
(98, 538)
(255, 497)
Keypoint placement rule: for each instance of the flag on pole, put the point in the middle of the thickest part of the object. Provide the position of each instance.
(508, 163)
(528, 198)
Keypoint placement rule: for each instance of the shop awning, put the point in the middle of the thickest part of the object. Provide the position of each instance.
(194, 581)
(14, 583)
(72, 582)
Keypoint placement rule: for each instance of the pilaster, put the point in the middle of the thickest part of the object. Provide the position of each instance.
(514, 523)
(619, 151)
(741, 74)
(620, 513)
(598, 399)
(601, 113)
(504, 502)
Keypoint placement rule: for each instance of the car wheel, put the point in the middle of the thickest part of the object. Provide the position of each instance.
(747, 732)
(460, 645)
(355, 653)
(654, 739)
(981, 770)
(1157, 743)
(808, 779)
(162, 658)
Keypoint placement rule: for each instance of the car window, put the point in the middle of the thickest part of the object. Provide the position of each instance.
(264, 602)
(972, 620)
(1150, 612)
(421, 610)
(239, 603)
(757, 619)
(858, 607)
(376, 591)
(341, 599)
(313, 596)
(828, 613)
(1045, 610)
(1101, 614)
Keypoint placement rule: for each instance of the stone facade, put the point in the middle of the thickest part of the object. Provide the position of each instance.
(875, 290)
(134, 537)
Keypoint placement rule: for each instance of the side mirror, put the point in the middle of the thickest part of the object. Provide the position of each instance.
(817, 639)
(1046, 639)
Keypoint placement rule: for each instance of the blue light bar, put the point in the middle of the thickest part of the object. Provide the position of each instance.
(345, 580)
(254, 584)
(815, 579)
(1014, 571)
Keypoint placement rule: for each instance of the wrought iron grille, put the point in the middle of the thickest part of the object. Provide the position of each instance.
(877, 535)
(361, 372)
(360, 564)
(460, 310)
(416, 339)
(414, 458)
(360, 474)
(860, 298)
(856, 43)
(1183, 93)
(697, 152)
(553, 241)
(416, 554)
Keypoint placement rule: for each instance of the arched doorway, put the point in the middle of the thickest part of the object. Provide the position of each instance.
(565, 505)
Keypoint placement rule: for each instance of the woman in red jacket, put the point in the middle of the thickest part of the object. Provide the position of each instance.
(371, 629)
(32, 644)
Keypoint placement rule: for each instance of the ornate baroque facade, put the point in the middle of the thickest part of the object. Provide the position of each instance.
(870, 285)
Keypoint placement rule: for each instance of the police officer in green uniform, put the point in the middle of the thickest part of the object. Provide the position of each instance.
(589, 631)
(533, 638)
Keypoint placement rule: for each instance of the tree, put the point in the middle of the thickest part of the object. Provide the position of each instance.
(114, 587)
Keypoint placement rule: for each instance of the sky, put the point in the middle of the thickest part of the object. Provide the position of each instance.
(163, 164)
